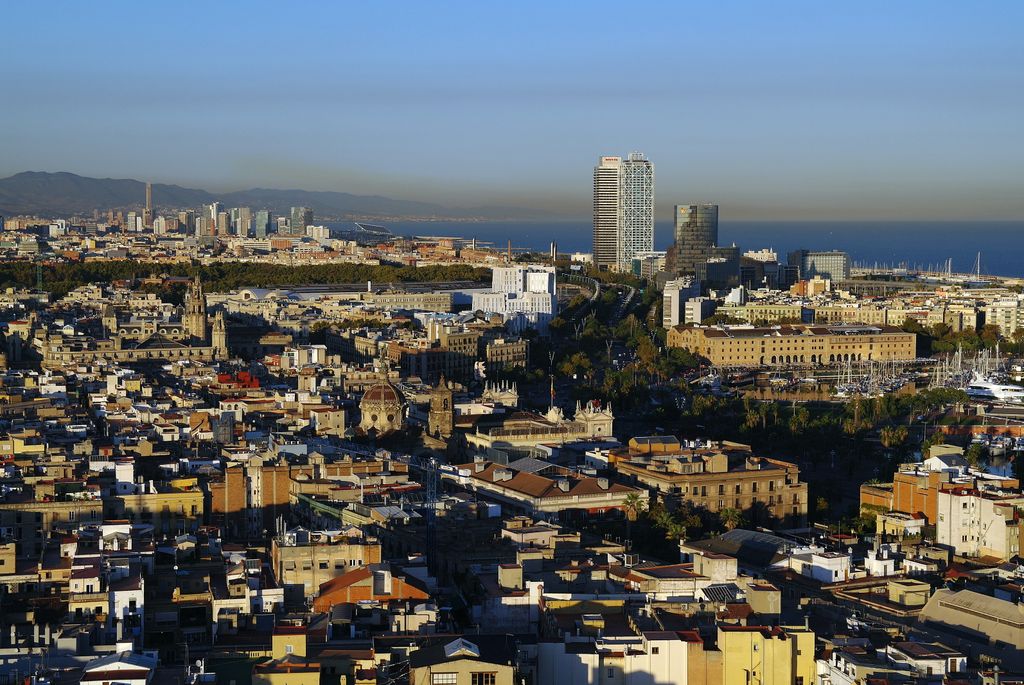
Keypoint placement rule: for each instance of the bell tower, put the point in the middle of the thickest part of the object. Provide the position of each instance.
(219, 336)
(441, 419)
(194, 317)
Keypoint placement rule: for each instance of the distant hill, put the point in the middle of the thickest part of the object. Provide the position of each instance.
(64, 194)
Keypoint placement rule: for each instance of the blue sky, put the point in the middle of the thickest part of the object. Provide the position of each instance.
(776, 110)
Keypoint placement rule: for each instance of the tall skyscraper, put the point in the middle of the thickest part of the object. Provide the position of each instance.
(223, 223)
(147, 214)
(636, 233)
(264, 223)
(623, 210)
(301, 217)
(607, 201)
(695, 233)
(241, 221)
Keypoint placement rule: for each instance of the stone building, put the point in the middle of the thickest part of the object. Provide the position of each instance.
(749, 346)
(441, 419)
(382, 410)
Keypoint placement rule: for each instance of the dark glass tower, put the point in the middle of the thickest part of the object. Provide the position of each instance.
(696, 232)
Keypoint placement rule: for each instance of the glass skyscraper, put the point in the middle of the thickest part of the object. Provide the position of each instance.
(623, 210)
(636, 233)
(696, 232)
(264, 223)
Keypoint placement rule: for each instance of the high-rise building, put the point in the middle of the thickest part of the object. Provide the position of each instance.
(264, 223)
(147, 214)
(636, 232)
(301, 217)
(607, 201)
(623, 210)
(695, 233)
(242, 222)
(215, 208)
(833, 265)
(223, 223)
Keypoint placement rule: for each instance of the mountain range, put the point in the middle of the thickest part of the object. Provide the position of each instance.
(66, 194)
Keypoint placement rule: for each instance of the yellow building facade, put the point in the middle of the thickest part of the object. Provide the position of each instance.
(749, 346)
(760, 655)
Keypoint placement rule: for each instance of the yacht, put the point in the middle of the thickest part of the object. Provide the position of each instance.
(982, 389)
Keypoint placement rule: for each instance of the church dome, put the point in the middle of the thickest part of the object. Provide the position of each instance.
(383, 392)
(382, 409)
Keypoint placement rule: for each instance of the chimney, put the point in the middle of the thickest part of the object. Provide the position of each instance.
(382, 582)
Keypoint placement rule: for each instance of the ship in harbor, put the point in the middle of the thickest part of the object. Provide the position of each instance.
(981, 388)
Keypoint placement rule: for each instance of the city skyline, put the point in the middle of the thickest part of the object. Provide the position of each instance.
(780, 113)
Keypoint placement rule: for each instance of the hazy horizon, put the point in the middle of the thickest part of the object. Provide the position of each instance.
(795, 111)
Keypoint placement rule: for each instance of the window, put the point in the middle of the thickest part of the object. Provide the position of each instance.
(654, 650)
(611, 672)
(484, 678)
(288, 649)
(721, 489)
(737, 488)
(323, 565)
(444, 678)
(753, 486)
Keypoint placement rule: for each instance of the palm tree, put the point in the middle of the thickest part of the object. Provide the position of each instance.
(730, 518)
(633, 505)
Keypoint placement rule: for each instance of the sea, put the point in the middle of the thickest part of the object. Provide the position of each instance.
(908, 244)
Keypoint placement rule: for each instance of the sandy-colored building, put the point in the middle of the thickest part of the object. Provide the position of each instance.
(787, 345)
(773, 655)
(988, 619)
(471, 660)
(288, 663)
(303, 560)
(716, 476)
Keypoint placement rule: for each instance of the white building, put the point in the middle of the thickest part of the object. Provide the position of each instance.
(123, 668)
(524, 295)
(696, 309)
(976, 523)
(636, 234)
(607, 212)
(674, 298)
(765, 255)
(926, 658)
(623, 210)
(651, 657)
(1008, 314)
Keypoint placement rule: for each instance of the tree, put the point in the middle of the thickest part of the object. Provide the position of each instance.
(893, 436)
(730, 518)
(974, 455)
(633, 506)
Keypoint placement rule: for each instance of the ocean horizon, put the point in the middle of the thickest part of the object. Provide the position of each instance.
(926, 244)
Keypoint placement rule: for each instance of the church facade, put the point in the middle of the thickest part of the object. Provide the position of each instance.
(128, 340)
